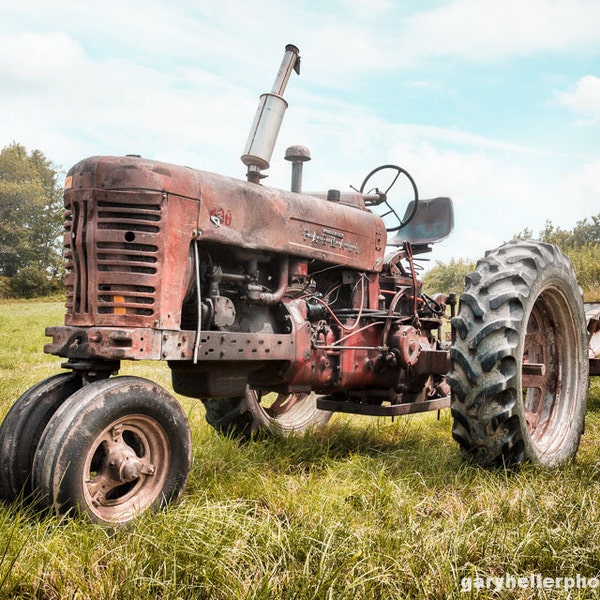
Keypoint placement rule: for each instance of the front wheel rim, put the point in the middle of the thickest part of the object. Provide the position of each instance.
(125, 468)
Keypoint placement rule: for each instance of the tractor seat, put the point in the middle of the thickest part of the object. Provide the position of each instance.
(433, 222)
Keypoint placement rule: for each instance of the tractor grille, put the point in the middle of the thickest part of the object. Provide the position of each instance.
(112, 253)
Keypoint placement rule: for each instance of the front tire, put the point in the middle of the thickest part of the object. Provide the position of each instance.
(22, 429)
(114, 449)
(519, 374)
(277, 414)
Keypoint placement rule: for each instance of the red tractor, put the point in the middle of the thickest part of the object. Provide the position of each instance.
(276, 309)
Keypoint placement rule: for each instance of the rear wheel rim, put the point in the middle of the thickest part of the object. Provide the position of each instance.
(549, 344)
(288, 413)
(282, 404)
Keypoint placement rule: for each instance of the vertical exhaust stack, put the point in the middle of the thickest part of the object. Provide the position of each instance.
(268, 118)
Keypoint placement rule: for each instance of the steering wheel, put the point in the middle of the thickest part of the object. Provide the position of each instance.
(374, 197)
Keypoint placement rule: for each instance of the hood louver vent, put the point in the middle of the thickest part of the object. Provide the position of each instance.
(112, 252)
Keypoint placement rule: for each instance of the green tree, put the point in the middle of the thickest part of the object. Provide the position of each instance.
(582, 245)
(584, 233)
(31, 213)
(447, 277)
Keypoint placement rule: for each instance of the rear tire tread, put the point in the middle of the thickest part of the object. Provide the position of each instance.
(484, 375)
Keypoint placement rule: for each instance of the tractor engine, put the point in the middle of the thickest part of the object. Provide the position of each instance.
(234, 283)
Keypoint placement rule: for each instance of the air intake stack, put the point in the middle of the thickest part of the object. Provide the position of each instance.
(268, 118)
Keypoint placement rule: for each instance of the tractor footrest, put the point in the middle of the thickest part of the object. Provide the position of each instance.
(381, 410)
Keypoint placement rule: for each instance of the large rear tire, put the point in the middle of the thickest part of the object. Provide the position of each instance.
(519, 374)
(275, 414)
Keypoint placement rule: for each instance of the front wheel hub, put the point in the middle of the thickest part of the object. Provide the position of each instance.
(121, 461)
(124, 466)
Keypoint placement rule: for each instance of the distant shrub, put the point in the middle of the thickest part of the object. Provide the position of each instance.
(582, 245)
(30, 282)
(447, 277)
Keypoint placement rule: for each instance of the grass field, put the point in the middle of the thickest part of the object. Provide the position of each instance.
(365, 509)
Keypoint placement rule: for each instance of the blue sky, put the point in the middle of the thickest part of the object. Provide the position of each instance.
(496, 104)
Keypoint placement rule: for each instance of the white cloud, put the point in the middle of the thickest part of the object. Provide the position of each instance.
(488, 29)
(38, 58)
(584, 99)
(70, 105)
(580, 191)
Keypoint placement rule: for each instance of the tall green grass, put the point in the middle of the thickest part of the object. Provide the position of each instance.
(368, 509)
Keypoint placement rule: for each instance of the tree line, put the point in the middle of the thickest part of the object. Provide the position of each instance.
(31, 224)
